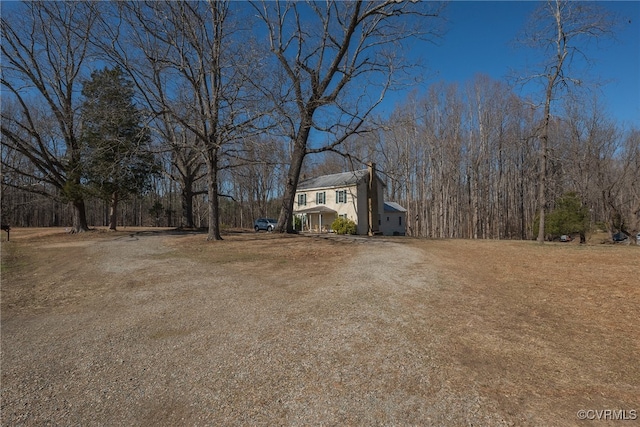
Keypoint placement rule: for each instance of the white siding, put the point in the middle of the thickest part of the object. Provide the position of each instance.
(355, 208)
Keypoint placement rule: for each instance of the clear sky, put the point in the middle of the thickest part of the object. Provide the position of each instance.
(480, 39)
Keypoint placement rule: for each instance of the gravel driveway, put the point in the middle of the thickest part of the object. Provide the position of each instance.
(131, 333)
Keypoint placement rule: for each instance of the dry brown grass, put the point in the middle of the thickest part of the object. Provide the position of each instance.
(544, 330)
(148, 326)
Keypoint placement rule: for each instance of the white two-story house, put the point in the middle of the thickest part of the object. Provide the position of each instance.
(356, 195)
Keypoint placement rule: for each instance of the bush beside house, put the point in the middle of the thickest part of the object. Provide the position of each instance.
(344, 226)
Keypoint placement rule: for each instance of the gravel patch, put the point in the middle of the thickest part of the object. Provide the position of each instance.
(164, 340)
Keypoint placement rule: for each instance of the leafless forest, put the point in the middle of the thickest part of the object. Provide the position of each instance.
(242, 99)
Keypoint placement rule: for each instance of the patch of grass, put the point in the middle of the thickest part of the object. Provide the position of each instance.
(495, 332)
(521, 318)
(261, 250)
(13, 258)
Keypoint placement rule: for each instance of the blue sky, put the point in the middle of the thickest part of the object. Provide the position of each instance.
(480, 39)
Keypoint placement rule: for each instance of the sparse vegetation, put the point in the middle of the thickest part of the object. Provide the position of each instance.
(170, 330)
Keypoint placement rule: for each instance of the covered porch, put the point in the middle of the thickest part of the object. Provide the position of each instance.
(317, 219)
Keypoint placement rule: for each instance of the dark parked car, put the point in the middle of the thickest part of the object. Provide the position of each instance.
(620, 237)
(265, 224)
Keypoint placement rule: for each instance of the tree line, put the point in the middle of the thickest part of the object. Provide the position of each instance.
(206, 114)
(464, 162)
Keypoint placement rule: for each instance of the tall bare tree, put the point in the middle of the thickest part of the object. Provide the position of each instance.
(45, 52)
(559, 28)
(252, 179)
(459, 161)
(337, 60)
(185, 166)
(188, 62)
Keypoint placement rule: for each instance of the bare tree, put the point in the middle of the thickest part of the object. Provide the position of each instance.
(587, 141)
(188, 62)
(337, 60)
(600, 162)
(254, 178)
(559, 28)
(632, 182)
(459, 161)
(45, 52)
(184, 164)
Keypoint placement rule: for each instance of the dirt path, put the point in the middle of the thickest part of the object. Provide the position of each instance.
(164, 329)
(131, 334)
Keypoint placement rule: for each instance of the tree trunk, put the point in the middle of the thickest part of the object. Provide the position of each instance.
(79, 217)
(285, 220)
(544, 154)
(113, 212)
(212, 191)
(186, 196)
(542, 184)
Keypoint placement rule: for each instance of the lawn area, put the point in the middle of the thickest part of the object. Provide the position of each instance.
(159, 327)
(545, 330)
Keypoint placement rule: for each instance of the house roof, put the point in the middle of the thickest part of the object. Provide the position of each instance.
(316, 209)
(334, 180)
(393, 207)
